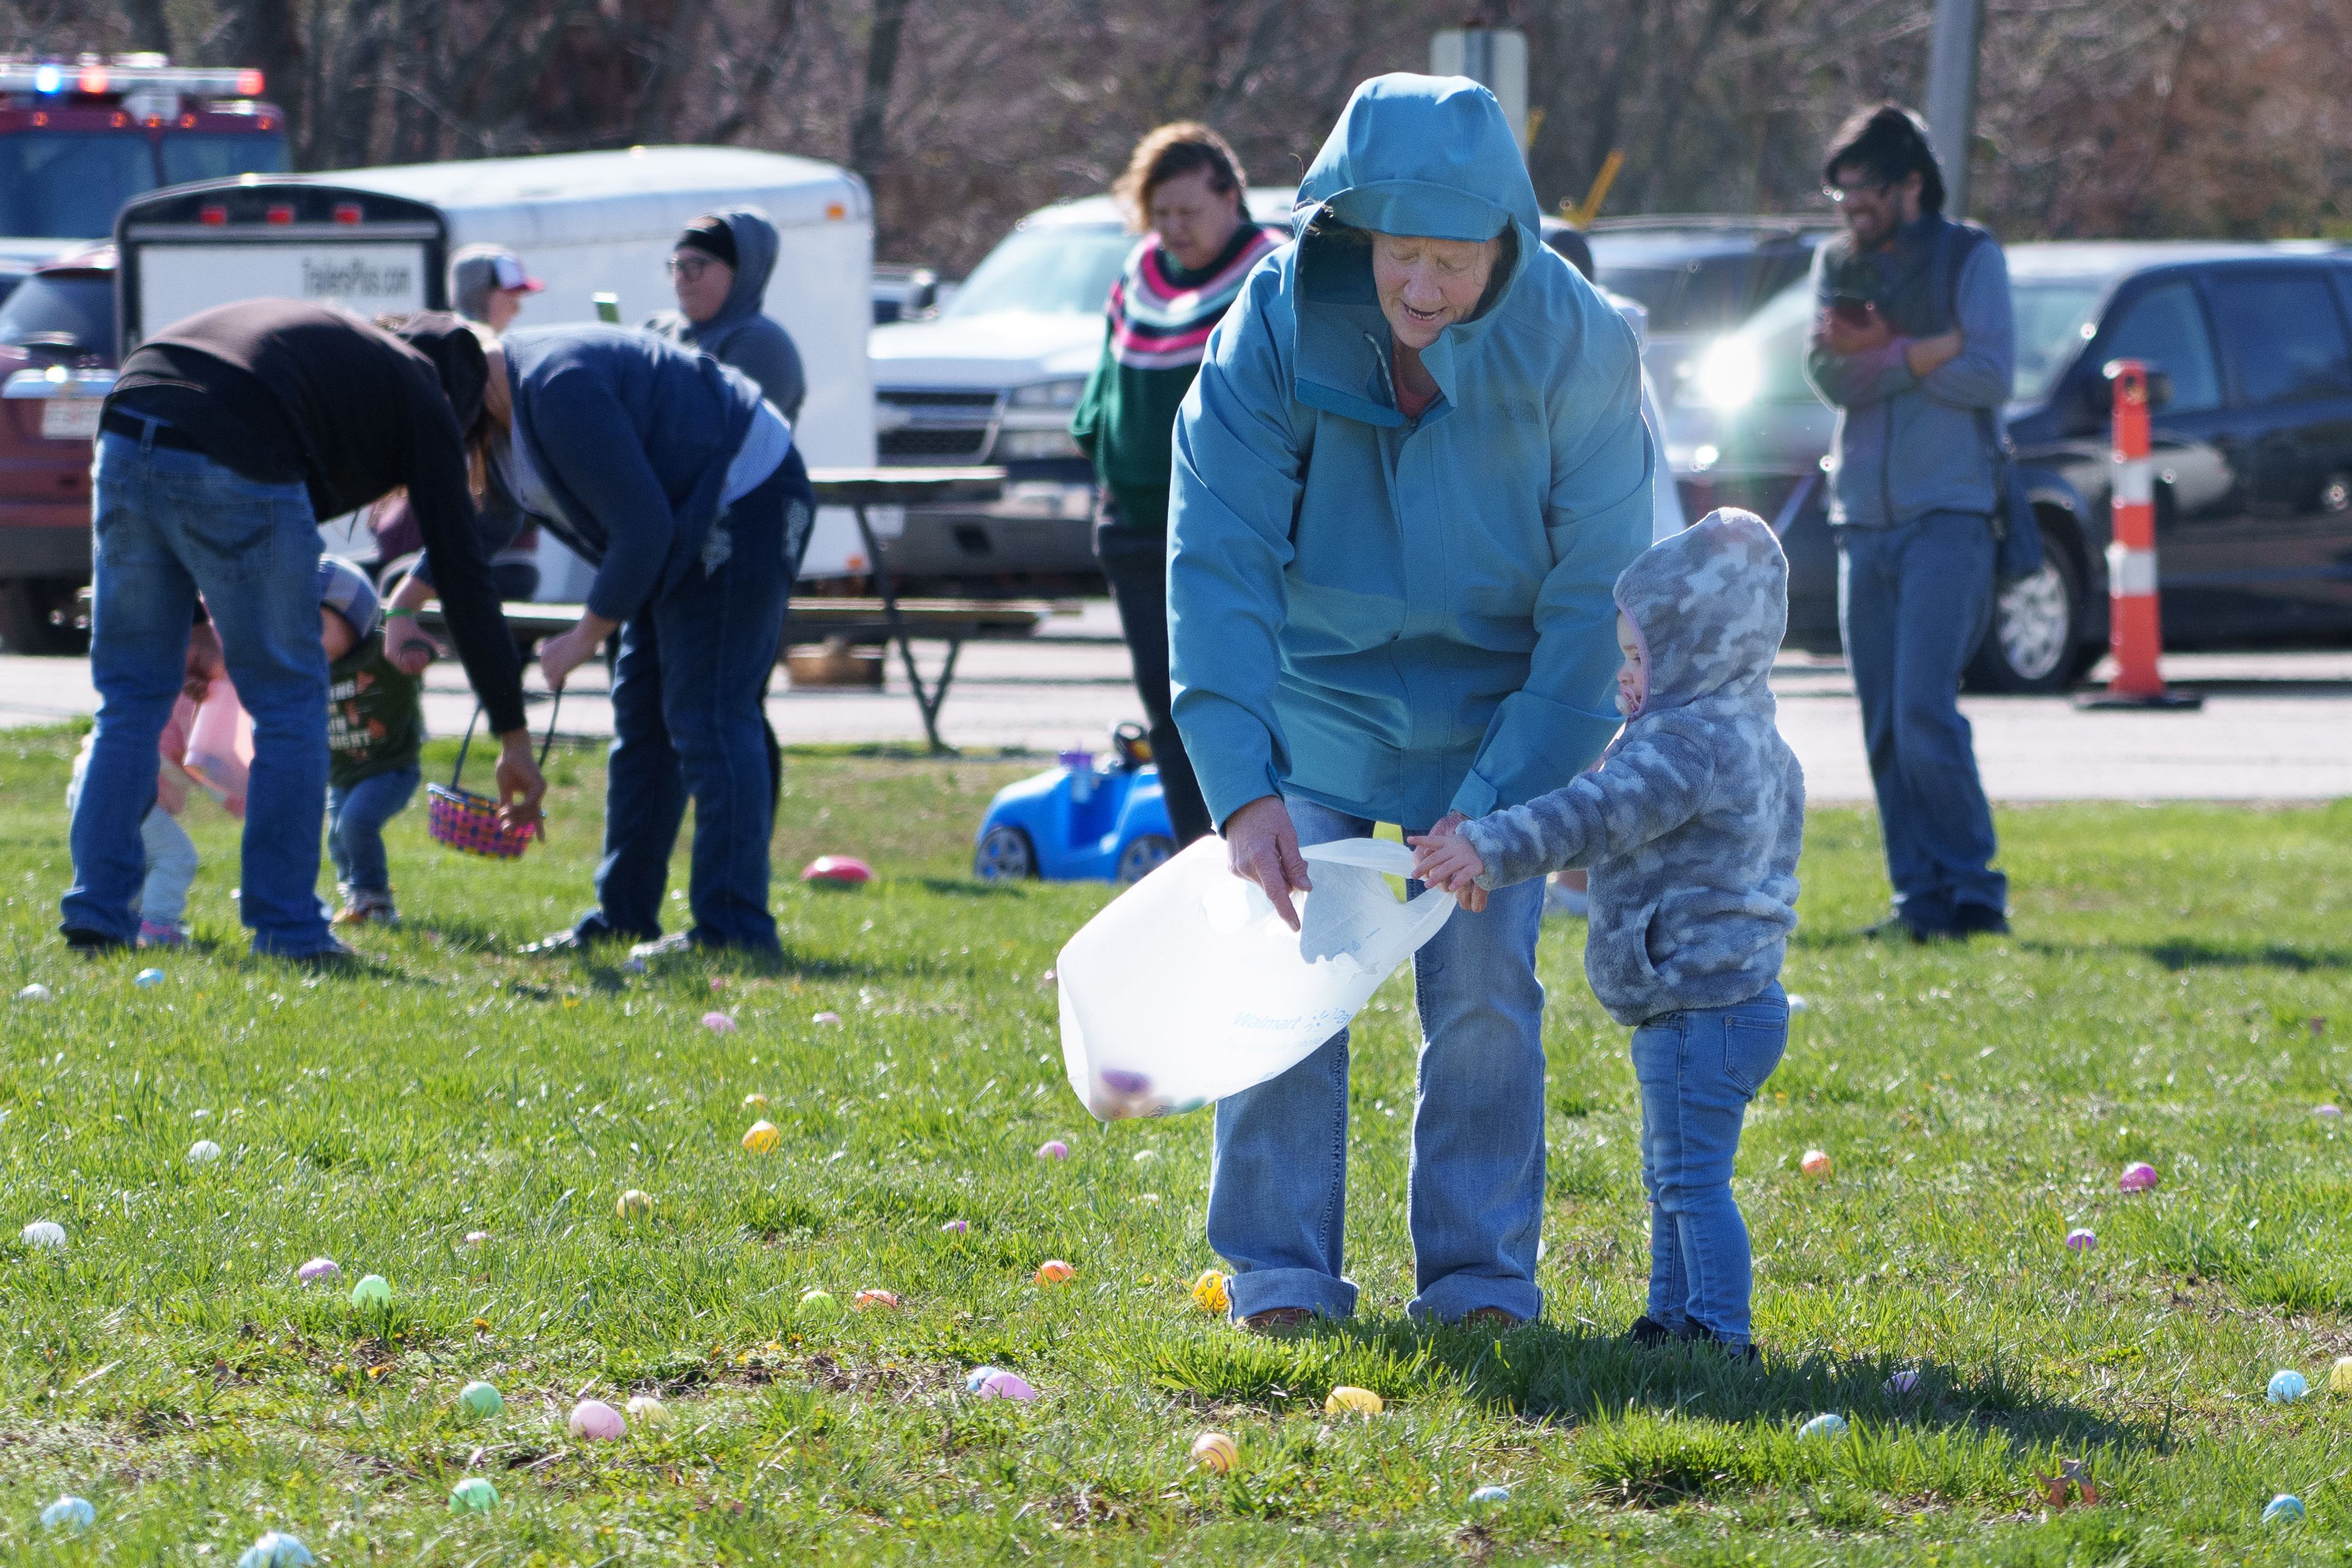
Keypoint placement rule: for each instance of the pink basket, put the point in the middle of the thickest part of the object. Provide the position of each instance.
(468, 822)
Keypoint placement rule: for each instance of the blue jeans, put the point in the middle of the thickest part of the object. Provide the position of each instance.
(687, 722)
(170, 524)
(1697, 1071)
(1278, 1177)
(356, 814)
(1913, 601)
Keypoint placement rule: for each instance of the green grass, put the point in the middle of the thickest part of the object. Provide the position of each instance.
(2155, 1003)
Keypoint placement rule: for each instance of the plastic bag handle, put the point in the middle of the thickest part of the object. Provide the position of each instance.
(554, 708)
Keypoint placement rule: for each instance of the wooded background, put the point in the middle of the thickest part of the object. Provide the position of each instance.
(2099, 118)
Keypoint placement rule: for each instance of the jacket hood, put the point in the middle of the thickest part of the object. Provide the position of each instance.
(1710, 605)
(457, 359)
(755, 262)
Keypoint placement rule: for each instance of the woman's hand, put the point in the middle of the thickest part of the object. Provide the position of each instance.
(520, 784)
(1443, 858)
(1262, 847)
(407, 646)
(567, 650)
(204, 663)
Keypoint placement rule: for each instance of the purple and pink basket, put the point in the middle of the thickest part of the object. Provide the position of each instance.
(468, 822)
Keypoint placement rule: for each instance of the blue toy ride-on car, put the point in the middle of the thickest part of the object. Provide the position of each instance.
(1102, 820)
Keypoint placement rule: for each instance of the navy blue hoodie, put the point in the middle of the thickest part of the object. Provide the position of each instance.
(741, 335)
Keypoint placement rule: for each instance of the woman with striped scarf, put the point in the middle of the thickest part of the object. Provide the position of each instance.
(1184, 186)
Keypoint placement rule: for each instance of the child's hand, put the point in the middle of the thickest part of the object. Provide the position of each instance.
(1447, 861)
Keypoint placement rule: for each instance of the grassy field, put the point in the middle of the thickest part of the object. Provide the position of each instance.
(2179, 990)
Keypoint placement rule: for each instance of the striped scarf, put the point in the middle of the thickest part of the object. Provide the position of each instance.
(1156, 325)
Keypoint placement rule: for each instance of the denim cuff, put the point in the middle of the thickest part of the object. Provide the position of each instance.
(1263, 1290)
(1456, 1296)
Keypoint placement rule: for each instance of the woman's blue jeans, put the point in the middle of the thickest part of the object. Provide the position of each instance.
(687, 722)
(169, 525)
(1697, 1071)
(356, 814)
(1278, 1180)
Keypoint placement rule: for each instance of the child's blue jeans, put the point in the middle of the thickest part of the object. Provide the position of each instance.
(356, 814)
(1697, 1071)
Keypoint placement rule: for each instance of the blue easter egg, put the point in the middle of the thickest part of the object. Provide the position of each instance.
(2285, 1508)
(2286, 1387)
(70, 1513)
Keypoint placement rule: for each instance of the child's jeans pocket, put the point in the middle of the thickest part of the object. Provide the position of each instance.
(1752, 1047)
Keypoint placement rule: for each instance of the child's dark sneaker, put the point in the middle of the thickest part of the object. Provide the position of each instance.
(1648, 1330)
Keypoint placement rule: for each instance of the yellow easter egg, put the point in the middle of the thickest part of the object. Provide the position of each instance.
(1214, 1451)
(1209, 1291)
(1346, 1400)
(633, 1203)
(762, 1139)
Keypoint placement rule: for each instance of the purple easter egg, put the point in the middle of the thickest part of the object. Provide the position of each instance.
(318, 1268)
(2081, 1240)
(955, 1228)
(1119, 1081)
(719, 1023)
(1000, 1385)
(1052, 1149)
(2139, 1176)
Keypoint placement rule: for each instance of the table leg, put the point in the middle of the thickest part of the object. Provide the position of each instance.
(929, 705)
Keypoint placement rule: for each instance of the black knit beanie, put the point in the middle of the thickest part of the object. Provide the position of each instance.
(709, 234)
(457, 356)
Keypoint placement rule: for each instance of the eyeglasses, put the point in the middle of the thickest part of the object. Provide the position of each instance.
(1837, 196)
(690, 267)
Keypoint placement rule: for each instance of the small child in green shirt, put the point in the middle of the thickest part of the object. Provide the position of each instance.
(375, 728)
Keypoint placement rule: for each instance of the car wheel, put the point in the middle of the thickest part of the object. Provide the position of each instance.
(1004, 855)
(1144, 856)
(2033, 643)
(29, 623)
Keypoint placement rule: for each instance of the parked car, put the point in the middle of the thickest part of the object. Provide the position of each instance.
(57, 361)
(993, 378)
(1699, 275)
(2254, 449)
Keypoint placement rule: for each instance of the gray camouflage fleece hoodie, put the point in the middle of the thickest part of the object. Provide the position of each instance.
(1692, 820)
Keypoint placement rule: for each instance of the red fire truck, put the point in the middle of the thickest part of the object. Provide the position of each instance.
(79, 138)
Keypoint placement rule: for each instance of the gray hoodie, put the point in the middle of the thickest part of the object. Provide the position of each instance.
(1693, 818)
(741, 335)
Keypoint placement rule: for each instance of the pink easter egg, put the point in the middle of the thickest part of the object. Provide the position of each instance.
(597, 1421)
(826, 1017)
(1006, 1385)
(955, 1228)
(2081, 1240)
(1052, 1149)
(837, 870)
(2139, 1176)
(719, 1023)
(2330, 1112)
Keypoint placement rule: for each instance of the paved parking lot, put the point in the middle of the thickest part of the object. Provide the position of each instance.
(2276, 726)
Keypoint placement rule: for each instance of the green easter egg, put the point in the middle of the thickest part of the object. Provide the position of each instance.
(479, 1398)
(819, 1304)
(474, 1494)
(372, 1291)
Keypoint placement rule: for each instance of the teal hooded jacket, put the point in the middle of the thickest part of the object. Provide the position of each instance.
(1398, 618)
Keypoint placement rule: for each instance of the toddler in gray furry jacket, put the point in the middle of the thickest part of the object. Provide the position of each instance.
(1691, 823)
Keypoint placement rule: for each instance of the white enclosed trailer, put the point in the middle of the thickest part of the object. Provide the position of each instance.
(379, 240)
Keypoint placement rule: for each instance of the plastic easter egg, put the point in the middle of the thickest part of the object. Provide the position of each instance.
(595, 1421)
(148, 978)
(2285, 1509)
(71, 1514)
(1209, 1291)
(955, 1228)
(836, 871)
(763, 1137)
(479, 1398)
(45, 1234)
(634, 1204)
(1216, 1452)
(202, 1151)
(1145, 1157)
(276, 1548)
(35, 992)
(818, 1302)
(825, 1018)
(1827, 1425)
(2080, 1240)
(1054, 1271)
(647, 1410)
(2139, 1176)
(475, 1237)
(1148, 1199)
(876, 1298)
(1002, 1384)
(2339, 1376)
(2286, 1386)
(2327, 1112)
(1798, 1004)
(318, 1268)
(1052, 1149)
(1903, 1382)
(755, 1100)
(1491, 1494)
(373, 1292)
(977, 1378)
(1347, 1400)
(1816, 1163)
(634, 967)
(475, 1494)
(719, 1023)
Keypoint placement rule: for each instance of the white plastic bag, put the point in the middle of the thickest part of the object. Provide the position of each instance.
(1190, 988)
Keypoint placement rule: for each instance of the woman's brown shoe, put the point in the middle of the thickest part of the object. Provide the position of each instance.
(1278, 1320)
(1494, 1318)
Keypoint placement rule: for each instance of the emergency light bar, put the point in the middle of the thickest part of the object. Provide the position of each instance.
(93, 79)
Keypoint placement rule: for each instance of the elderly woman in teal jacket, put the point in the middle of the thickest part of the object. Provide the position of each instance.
(1411, 470)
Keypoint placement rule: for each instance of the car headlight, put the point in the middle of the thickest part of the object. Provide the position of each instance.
(1035, 443)
(1726, 376)
(1063, 394)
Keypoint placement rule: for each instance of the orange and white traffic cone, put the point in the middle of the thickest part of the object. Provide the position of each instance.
(2134, 632)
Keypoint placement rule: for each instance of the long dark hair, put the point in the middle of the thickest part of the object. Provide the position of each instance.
(1887, 142)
